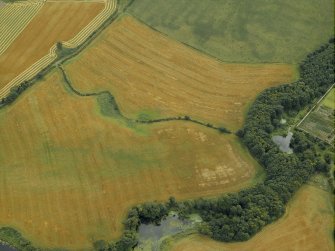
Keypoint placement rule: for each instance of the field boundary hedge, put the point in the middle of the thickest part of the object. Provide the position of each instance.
(116, 111)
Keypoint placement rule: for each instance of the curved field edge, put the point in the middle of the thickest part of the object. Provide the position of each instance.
(153, 76)
(262, 31)
(109, 107)
(266, 201)
(198, 146)
(310, 211)
(9, 95)
(46, 55)
(129, 236)
(239, 216)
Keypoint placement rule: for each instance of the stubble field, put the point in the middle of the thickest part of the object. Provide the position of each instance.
(153, 76)
(14, 18)
(56, 21)
(69, 174)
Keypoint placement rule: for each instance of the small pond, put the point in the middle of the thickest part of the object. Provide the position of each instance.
(284, 142)
(3, 247)
(150, 236)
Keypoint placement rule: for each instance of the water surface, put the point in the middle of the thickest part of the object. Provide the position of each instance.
(3, 247)
(284, 142)
(150, 236)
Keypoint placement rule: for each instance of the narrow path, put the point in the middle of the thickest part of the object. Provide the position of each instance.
(118, 114)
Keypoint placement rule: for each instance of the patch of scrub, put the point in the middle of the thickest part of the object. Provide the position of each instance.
(108, 105)
(283, 142)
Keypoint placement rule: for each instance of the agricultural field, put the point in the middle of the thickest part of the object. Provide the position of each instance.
(307, 226)
(69, 174)
(14, 18)
(149, 107)
(54, 22)
(320, 122)
(243, 31)
(329, 100)
(152, 76)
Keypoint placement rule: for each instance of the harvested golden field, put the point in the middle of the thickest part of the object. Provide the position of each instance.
(14, 18)
(68, 174)
(56, 21)
(150, 74)
(307, 226)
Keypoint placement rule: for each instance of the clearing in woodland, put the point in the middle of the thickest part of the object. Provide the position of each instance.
(243, 31)
(69, 174)
(307, 226)
(152, 76)
(56, 21)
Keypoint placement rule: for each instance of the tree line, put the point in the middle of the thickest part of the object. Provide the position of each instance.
(239, 216)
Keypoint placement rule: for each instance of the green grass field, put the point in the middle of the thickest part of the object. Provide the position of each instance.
(243, 31)
(329, 101)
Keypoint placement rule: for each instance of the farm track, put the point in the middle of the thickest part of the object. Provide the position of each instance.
(80, 38)
(115, 107)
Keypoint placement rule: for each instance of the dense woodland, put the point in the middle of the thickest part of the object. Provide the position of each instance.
(238, 216)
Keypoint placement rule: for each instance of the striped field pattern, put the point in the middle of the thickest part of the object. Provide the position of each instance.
(69, 175)
(14, 18)
(110, 7)
(146, 70)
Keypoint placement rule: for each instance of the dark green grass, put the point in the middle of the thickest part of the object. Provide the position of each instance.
(243, 30)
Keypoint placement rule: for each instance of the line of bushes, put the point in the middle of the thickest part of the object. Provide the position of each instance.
(107, 99)
(15, 91)
(184, 118)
